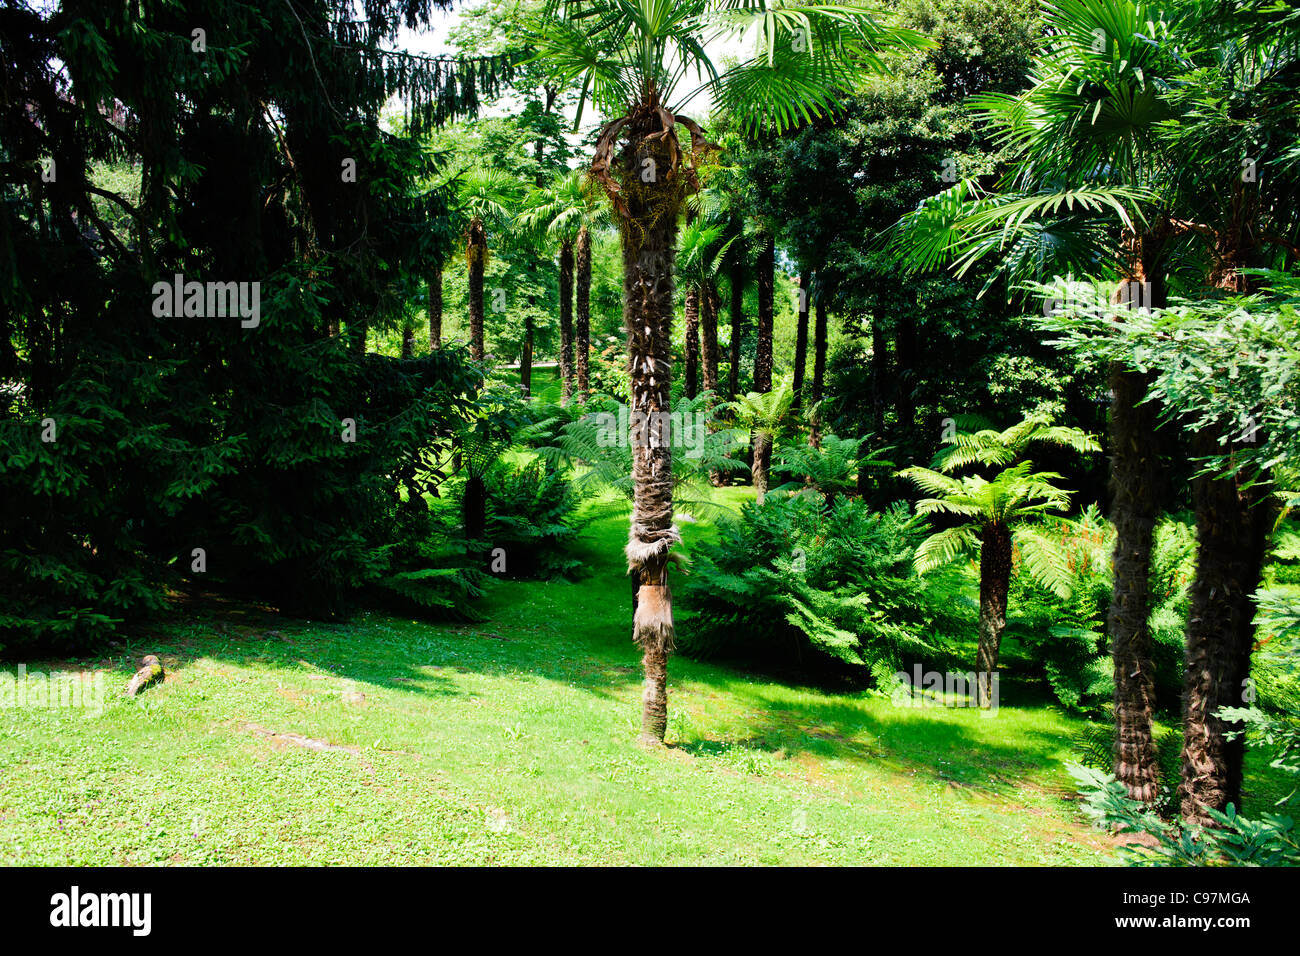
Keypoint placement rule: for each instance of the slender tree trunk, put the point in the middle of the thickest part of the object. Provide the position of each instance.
(566, 321)
(435, 308)
(692, 341)
(526, 359)
(737, 310)
(709, 335)
(819, 368)
(582, 326)
(476, 258)
(766, 315)
(1232, 528)
(649, 235)
(408, 339)
(879, 374)
(905, 370)
(995, 584)
(801, 337)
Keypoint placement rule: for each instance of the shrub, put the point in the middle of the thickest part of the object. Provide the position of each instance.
(532, 516)
(793, 581)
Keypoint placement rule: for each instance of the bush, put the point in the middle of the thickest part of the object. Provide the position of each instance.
(532, 517)
(793, 582)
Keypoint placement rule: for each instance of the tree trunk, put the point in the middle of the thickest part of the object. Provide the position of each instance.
(766, 314)
(801, 337)
(905, 371)
(649, 234)
(408, 339)
(819, 369)
(566, 321)
(526, 359)
(879, 374)
(692, 341)
(995, 584)
(435, 308)
(475, 508)
(476, 259)
(1232, 529)
(737, 325)
(1135, 475)
(709, 335)
(762, 444)
(582, 328)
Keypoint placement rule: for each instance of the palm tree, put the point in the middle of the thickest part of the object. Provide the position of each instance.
(636, 59)
(999, 512)
(563, 213)
(765, 270)
(485, 197)
(1086, 142)
(764, 413)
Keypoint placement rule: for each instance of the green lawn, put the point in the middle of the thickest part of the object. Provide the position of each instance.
(387, 740)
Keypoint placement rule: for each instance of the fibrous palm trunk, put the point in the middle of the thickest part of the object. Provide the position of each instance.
(1135, 504)
(819, 367)
(801, 338)
(435, 308)
(1135, 475)
(649, 234)
(692, 382)
(995, 584)
(1233, 521)
(476, 259)
(582, 314)
(566, 321)
(762, 442)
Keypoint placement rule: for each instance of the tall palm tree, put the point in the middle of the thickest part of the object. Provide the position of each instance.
(999, 513)
(642, 62)
(563, 214)
(485, 197)
(1084, 191)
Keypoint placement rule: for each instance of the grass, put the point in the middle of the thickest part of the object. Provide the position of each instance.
(392, 741)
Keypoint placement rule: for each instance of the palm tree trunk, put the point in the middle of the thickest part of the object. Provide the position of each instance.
(801, 338)
(692, 341)
(649, 234)
(709, 334)
(476, 258)
(582, 327)
(566, 321)
(435, 308)
(762, 444)
(1135, 474)
(766, 315)
(1232, 528)
(737, 325)
(995, 584)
